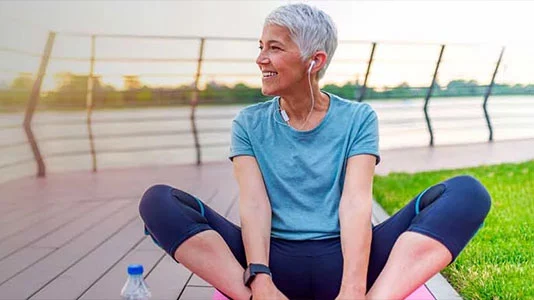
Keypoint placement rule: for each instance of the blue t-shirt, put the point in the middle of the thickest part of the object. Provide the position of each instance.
(304, 171)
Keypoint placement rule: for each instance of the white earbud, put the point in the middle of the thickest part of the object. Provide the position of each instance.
(311, 66)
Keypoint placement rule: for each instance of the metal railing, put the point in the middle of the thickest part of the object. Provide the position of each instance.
(360, 95)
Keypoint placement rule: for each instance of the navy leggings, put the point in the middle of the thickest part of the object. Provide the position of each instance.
(450, 212)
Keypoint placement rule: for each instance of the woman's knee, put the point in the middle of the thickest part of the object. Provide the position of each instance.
(476, 195)
(162, 201)
(153, 198)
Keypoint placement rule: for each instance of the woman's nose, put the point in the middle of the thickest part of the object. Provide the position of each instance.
(262, 59)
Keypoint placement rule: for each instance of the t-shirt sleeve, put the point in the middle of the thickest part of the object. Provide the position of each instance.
(240, 141)
(366, 140)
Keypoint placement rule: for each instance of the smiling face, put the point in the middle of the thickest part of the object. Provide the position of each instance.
(280, 63)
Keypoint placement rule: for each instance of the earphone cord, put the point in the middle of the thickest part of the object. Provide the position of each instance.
(313, 103)
(311, 110)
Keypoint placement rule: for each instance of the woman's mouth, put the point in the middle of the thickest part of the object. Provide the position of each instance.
(268, 74)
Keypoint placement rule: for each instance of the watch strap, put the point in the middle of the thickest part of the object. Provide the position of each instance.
(253, 270)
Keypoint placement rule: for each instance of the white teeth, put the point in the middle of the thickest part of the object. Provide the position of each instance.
(269, 74)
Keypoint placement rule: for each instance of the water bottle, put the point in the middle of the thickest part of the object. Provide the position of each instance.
(135, 287)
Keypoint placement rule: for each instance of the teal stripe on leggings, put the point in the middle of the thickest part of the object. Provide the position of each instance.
(418, 201)
(201, 206)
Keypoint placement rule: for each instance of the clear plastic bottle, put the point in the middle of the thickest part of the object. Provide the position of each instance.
(135, 287)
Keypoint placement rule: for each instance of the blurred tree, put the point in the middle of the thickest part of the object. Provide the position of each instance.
(18, 92)
(71, 91)
(461, 87)
(22, 82)
(132, 82)
(144, 95)
(402, 90)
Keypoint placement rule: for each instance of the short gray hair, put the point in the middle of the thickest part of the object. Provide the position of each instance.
(310, 28)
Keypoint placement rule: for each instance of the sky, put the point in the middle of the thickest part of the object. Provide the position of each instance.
(489, 24)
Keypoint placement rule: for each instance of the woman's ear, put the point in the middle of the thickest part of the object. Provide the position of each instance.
(318, 61)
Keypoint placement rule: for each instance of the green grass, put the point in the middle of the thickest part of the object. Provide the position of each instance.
(498, 263)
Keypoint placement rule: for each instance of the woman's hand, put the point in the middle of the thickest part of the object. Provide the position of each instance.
(263, 288)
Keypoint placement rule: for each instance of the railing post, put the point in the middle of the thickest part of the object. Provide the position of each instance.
(364, 87)
(488, 93)
(429, 94)
(32, 103)
(89, 102)
(194, 102)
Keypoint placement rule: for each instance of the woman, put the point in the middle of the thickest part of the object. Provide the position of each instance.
(304, 162)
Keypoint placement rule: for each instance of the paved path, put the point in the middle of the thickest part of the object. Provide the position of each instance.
(455, 156)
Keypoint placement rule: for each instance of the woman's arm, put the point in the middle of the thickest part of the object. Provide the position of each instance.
(355, 221)
(255, 214)
(254, 209)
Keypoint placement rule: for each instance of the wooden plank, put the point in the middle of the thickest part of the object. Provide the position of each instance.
(198, 293)
(224, 197)
(40, 230)
(197, 281)
(78, 278)
(17, 211)
(167, 279)
(109, 285)
(32, 219)
(18, 261)
(21, 260)
(206, 195)
(148, 245)
(34, 278)
(87, 222)
(441, 288)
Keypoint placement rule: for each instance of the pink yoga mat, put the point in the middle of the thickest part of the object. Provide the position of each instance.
(422, 293)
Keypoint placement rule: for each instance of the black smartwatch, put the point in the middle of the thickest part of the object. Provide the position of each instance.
(253, 270)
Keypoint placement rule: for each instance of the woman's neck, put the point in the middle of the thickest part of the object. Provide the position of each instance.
(298, 107)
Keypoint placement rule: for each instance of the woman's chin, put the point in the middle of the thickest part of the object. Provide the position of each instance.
(268, 92)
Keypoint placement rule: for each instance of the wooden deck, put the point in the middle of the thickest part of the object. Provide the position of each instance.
(71, 235)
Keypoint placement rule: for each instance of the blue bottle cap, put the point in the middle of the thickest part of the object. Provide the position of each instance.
(135, 269)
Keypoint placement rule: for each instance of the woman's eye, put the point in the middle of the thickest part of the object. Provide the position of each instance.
(272, 48)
